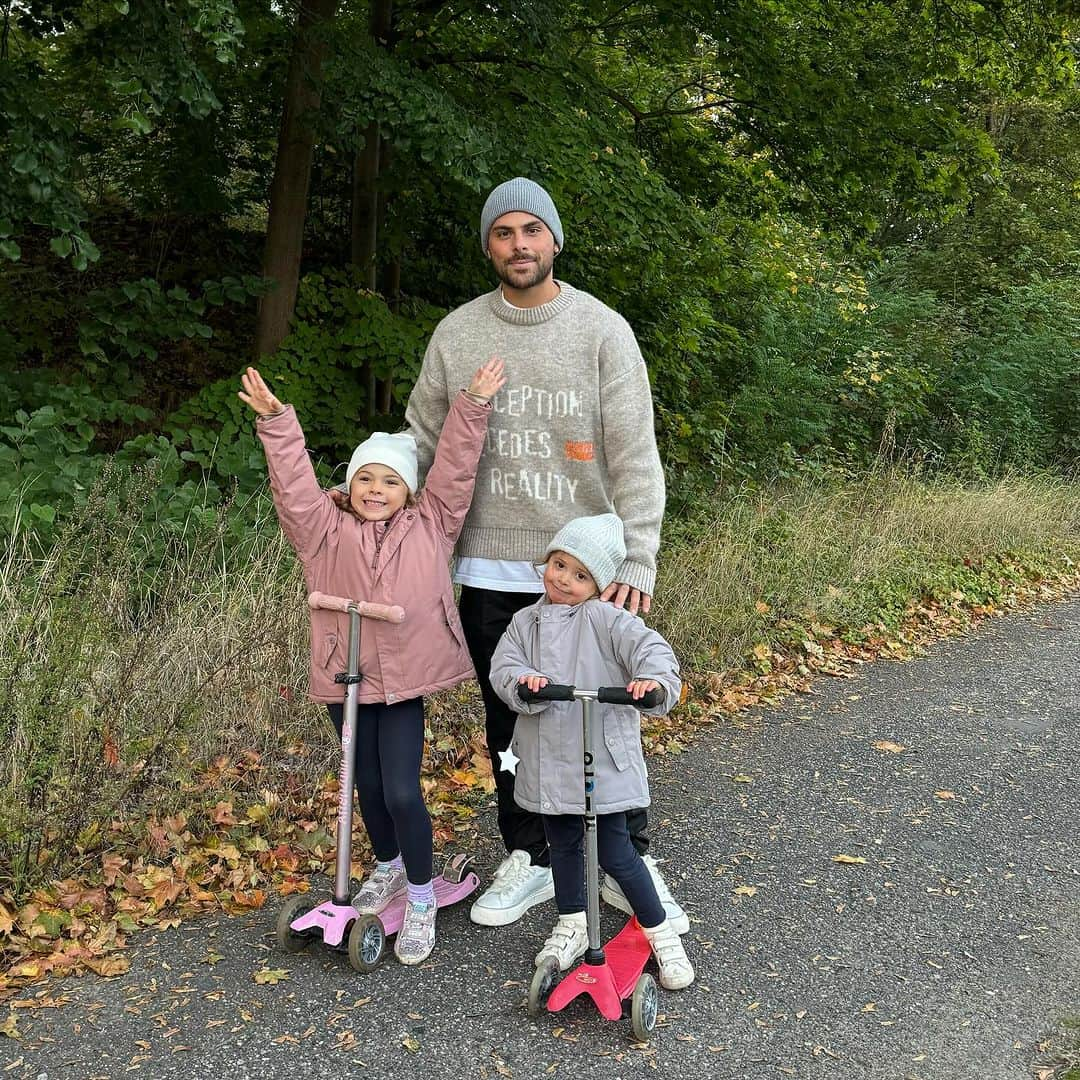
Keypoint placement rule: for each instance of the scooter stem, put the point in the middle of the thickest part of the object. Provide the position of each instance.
(595, 955)
(346, 776)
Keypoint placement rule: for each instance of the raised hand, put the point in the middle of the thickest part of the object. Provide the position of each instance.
(488, 380)
(257, 394)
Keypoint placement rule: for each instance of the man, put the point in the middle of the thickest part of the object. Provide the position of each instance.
(571, 435)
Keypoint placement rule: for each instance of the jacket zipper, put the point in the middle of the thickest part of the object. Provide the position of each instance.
(379, 537)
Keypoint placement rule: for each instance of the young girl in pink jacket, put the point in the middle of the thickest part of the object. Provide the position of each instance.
(395, 550)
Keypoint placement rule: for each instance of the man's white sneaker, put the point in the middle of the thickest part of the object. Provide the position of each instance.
(612, 894)
(567, 941)
(518, 886)
(676, 972)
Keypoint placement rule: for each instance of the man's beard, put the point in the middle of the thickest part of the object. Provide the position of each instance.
(534, 274)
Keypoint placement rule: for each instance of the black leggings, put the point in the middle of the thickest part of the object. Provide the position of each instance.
(388, 749)
(618, 857)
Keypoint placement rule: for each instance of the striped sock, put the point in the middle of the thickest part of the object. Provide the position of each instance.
(422, 894)
(394, 864)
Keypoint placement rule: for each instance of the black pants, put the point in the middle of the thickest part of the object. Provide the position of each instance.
(617, 856)
(485, 615)
(388, 748)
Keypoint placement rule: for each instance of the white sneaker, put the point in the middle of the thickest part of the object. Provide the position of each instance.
(676, 972)
(613, 895)
(518, 886)
(567, 941)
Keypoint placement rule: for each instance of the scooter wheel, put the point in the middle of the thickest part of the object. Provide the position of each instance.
(644, 1004)
(367, 942)
(287, 937)
(542, 981)
(456, 867)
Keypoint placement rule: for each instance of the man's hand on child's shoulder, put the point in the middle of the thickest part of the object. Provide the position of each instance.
(621, 595)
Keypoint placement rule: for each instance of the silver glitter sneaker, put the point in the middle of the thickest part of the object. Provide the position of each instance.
(379, 889)
(416, 938)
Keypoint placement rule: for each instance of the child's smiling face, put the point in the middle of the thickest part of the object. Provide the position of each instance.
(566, 581)
(377, 492)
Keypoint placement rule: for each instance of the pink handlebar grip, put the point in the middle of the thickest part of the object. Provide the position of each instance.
(386, 612)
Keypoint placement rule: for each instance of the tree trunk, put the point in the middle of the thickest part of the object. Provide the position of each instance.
(366, 206)
(292, 175)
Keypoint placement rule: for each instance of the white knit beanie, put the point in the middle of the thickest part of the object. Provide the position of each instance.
(397, 452)
(521, 194)
(596, 542)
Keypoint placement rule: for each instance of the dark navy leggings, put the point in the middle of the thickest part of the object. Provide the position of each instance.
(618, 857)
(388, 750)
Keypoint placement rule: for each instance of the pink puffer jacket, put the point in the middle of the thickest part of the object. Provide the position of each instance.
(402, 561)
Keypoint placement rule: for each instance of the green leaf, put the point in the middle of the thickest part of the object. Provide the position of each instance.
(42, 512)
(61, 245)
(24, 162)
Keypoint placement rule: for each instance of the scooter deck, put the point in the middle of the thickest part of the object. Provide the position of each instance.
(608, 984)
(333, 920)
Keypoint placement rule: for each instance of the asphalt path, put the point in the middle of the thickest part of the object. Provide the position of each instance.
(946, 953)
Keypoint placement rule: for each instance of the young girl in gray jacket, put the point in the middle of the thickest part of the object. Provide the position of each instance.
(571, 637)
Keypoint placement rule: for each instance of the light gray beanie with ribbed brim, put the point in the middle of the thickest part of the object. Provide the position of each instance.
(525, 196)
(596, 542)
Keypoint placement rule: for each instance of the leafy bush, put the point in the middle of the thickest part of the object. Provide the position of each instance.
(339, 328)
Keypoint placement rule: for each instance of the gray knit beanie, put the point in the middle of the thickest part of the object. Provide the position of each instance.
(596, 542)
(526, 196)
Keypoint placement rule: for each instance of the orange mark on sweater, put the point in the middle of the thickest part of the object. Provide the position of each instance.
(580, 451)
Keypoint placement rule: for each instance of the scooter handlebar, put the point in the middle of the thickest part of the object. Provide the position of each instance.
(611, 695)
(551, 692)
(386, 612)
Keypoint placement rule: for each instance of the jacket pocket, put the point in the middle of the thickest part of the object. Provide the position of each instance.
(452, 618)
(328, 648)
(615, 741)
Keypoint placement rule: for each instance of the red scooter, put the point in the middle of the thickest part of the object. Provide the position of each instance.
(614, 973)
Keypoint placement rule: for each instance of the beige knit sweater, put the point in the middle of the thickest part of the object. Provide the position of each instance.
(572, 429)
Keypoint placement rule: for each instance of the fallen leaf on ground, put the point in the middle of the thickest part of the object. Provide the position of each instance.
(889, 747)
(272, 976)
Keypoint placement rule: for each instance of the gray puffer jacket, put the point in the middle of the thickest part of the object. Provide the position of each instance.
(585, 645)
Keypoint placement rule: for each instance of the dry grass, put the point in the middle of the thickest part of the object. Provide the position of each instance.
(130, 656)
(846, 556)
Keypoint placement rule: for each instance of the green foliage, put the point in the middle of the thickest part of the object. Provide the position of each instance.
(134, 319)
(839, 232)
(339, 328)
(80, 70)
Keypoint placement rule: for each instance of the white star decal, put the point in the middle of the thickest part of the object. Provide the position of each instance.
(508, 760)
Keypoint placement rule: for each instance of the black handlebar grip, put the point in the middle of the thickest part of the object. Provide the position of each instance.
(551, 692)
(619, 695)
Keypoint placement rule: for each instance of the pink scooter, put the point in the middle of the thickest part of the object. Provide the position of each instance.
(301, 920)
(615, 973)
